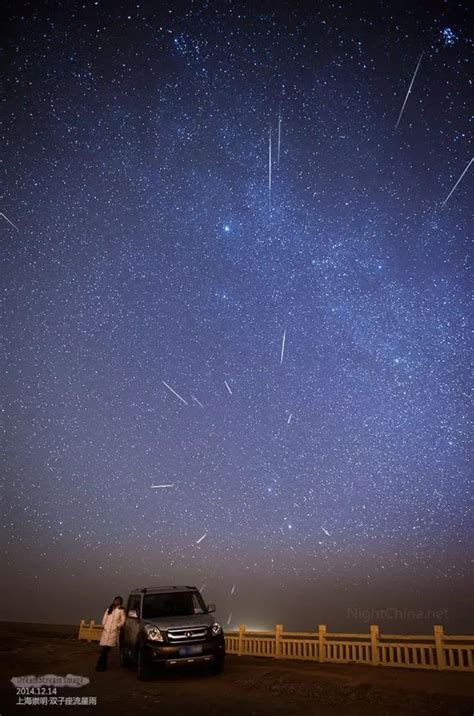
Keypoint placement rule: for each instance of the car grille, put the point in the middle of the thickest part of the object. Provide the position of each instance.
(178, 636)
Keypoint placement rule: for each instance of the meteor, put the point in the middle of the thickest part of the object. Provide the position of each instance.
(279, 138)
(269, 166)
(10, 222)
(409, 90)
(174, 392)
(454, 187)
(282, 353)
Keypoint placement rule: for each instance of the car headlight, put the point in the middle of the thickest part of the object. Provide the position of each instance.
(153, 632)
(216, 629)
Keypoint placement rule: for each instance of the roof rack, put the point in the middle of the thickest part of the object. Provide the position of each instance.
(161, 588)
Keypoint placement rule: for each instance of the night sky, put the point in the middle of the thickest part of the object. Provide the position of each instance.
(235, 308)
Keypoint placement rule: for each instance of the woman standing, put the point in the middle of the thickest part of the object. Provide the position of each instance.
(113, 620)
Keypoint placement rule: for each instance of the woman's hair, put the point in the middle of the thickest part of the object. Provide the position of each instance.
(111, 608)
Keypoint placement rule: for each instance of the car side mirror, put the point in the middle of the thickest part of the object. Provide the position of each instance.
(132, 614)
(211, 608)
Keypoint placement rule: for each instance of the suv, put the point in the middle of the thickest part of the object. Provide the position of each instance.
(170, 626)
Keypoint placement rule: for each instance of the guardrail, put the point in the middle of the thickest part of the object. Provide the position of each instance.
(410, 651)
(90, 631)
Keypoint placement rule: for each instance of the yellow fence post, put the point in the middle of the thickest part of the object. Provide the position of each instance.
(278, 636)
(374, 642)
(241, 639)
(91, 629)
(322, 643)
(439, 642)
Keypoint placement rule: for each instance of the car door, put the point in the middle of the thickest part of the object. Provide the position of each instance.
(132, 624)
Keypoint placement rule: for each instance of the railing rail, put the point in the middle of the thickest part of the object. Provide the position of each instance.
(410, 651)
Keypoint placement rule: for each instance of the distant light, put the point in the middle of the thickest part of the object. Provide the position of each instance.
(227, 228)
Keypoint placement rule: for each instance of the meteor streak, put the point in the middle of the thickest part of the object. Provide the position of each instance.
(10, 222)
(201, 538)
(409, 90)
(282, 353)
(174, 392)
(228, 387)
(454, 187)
(155, 487)
(269, 166)
(279, 138)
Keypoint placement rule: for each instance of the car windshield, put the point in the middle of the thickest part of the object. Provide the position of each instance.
(174, 604)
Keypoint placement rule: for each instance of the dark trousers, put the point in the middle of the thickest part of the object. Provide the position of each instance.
(102, 661)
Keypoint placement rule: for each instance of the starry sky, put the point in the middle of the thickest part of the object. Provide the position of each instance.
(235, 308)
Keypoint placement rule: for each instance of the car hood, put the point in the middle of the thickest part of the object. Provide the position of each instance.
(193, 620)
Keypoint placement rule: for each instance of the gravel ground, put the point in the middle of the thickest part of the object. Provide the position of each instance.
(249, 686)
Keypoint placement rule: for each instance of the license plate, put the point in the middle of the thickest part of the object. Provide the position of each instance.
(191, 650)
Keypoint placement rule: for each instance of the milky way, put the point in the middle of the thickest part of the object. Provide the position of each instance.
(228, 273)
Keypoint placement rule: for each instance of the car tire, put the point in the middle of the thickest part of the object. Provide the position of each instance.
(143, 665)
(217, 666)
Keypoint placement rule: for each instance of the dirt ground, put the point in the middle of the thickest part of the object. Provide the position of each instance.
(249, 687)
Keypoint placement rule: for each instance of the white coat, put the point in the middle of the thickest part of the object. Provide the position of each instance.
(112, 624)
